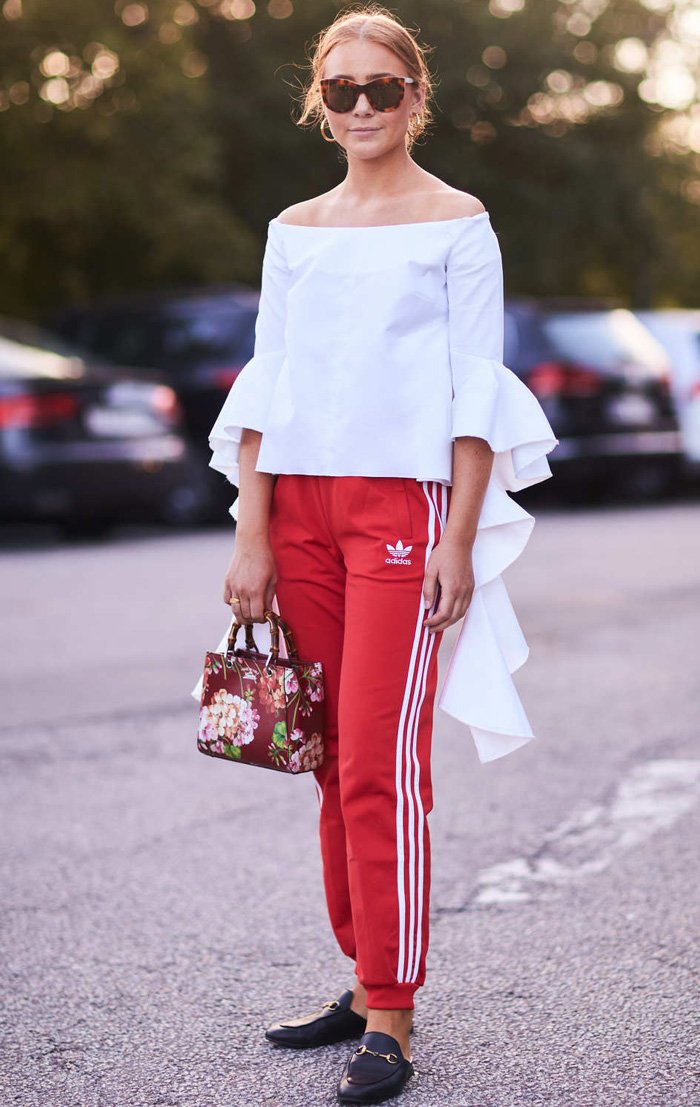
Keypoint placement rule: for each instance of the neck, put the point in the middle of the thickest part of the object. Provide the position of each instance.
(373, 183)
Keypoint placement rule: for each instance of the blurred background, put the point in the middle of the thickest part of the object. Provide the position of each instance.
(160, 908)
(145, 145)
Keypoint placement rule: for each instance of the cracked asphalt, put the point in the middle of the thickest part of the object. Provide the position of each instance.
(159, 908)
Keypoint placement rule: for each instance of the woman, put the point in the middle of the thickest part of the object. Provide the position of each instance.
(372, 436)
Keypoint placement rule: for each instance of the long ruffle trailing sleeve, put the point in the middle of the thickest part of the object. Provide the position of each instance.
(476, 395)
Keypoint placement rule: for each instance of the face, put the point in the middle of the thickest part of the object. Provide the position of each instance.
(363, 131)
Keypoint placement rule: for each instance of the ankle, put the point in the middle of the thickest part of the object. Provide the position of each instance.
(397, 1022)
(397, 1016)
(358, 1003)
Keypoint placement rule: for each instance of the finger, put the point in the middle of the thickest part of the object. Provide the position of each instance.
(449, 603)
(443, 604)
(231, 597)
(257, 612)
(440, 620)
(444, 622)
(243, 608)
(430, 586)
(269, 596)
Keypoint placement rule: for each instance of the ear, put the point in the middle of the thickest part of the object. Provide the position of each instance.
(418, 97)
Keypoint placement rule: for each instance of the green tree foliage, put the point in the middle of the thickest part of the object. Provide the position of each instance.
(121, 186)
(168, 167)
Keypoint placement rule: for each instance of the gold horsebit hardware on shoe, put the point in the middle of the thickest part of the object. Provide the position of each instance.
(390, 1057)
(332, 1005)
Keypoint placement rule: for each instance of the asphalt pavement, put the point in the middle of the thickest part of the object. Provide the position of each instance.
(160, 908)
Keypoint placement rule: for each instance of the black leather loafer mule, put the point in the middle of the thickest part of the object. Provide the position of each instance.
(332, 1022)
(376, 1071)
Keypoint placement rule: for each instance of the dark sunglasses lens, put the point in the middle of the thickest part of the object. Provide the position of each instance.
(386, 96)
(338, 97)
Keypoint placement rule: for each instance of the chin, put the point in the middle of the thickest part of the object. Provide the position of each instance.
(373, 144)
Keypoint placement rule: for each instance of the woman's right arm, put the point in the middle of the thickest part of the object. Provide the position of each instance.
(236, 436)
(251, 574)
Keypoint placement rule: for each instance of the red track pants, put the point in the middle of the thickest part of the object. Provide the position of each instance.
(351, 554)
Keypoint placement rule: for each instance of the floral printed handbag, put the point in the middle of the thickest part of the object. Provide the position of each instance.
(262, 709)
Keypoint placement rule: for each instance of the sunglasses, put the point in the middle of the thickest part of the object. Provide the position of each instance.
(383, 93)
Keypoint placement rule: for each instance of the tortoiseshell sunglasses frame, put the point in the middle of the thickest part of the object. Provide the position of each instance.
(368, 89)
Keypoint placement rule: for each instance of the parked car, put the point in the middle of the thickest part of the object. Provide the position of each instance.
(600, 376)
(604, 384)
(678, 331)
(199, 340)
(87, 444)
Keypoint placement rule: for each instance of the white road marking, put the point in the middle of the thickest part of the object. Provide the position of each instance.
(651, 797)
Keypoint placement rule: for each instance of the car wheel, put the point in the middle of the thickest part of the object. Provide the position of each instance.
(581, 493)
(189, 504)
(647, 481)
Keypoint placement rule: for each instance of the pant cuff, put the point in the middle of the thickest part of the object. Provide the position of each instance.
(390, 996)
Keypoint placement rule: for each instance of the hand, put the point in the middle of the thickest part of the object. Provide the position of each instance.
(450, 570)
(252, 577)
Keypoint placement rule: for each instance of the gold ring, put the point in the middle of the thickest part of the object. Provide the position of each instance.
(234, 599)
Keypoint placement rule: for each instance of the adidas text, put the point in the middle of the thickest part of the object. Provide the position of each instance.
(398, 553)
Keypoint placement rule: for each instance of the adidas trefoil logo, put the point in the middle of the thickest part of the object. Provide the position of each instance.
(399, 554)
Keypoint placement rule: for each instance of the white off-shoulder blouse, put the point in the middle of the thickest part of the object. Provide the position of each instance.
(375, 347)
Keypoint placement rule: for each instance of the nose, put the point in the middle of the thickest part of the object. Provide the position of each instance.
(363, 103)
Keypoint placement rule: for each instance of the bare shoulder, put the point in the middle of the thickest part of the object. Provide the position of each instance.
(453, 204)
(438, 203)
(307, 213)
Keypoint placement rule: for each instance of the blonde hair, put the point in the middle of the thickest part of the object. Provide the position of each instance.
(373, 23)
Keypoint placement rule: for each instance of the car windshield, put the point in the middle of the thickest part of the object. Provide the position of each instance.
(174, 337)
(606, 340)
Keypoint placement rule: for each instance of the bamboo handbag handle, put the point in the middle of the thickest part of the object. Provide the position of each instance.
(276, 624)
(288, 636)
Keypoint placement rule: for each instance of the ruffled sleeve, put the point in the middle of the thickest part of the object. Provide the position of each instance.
(490, 402)
(248, 400)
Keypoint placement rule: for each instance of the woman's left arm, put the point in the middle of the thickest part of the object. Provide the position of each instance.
(474, 274)
(450, 564)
